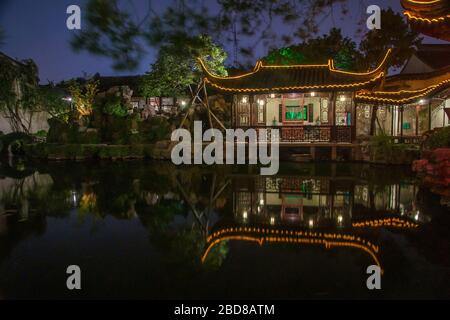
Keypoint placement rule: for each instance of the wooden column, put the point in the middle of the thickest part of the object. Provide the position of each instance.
(233, 112)
(392, 119)
(251, 111)
(417, 121)
(401, 121)
(333, 109)
(355, 105)
(429, 115)
(373, 119)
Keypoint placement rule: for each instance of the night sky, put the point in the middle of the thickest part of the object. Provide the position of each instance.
(36, 29)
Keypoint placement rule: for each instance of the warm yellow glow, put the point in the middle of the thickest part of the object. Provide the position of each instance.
(342, 98)
(380, 66)
(313, 94)
(433, 20)
(294, 88)
(328, 240)
(245, 215)
(256, 69)
(272, 220)
(420, 93)
(386, 222)
(424, 2)
(241, 238)
(273, 66)
(330, 67)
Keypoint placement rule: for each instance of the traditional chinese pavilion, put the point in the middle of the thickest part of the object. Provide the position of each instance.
(309, 103)
(322, 106)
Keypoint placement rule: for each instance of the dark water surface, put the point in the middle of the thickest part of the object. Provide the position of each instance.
(152, 230)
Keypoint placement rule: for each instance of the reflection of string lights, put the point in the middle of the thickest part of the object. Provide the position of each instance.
(387, 222)
(328, 240)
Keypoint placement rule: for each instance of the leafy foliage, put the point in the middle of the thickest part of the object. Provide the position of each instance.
(113, 104)
(19, 93)
(317, 51)
(383, 148)
(52, 102)
(111, 32)
(395, 33)
(112, 29)
(175, 70)
(439, 139)
(2, 37)
(83, 95)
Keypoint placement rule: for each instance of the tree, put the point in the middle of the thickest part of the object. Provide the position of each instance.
(19, 93)
(317, 51)
(83, 95)
(2, 37)
(112, 30)
(53, 102)
(395, 33)
(174, 70)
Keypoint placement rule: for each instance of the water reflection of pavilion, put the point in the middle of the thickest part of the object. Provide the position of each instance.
(319, 201)
(321, 211)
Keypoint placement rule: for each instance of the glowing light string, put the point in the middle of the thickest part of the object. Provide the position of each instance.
(411, 16)
(328, 240)
(419, 93)
(259, 65)
(386, 222)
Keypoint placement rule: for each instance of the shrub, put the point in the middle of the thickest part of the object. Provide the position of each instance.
(115, 130)
(89, 137)
(61, 132)
(41, 134)
(16, 140)
(438, 139)
(383, 149)
(159, 129)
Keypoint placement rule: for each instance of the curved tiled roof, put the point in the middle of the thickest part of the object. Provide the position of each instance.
(408, 88)
(270, 78)
(430, 17)
(436, 56)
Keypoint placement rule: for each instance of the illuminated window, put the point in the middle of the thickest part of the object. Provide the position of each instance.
(296, 113)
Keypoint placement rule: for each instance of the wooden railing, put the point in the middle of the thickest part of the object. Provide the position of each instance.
(407, 139)
(338, 134)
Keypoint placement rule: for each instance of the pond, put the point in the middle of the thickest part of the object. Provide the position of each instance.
(152, 230)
